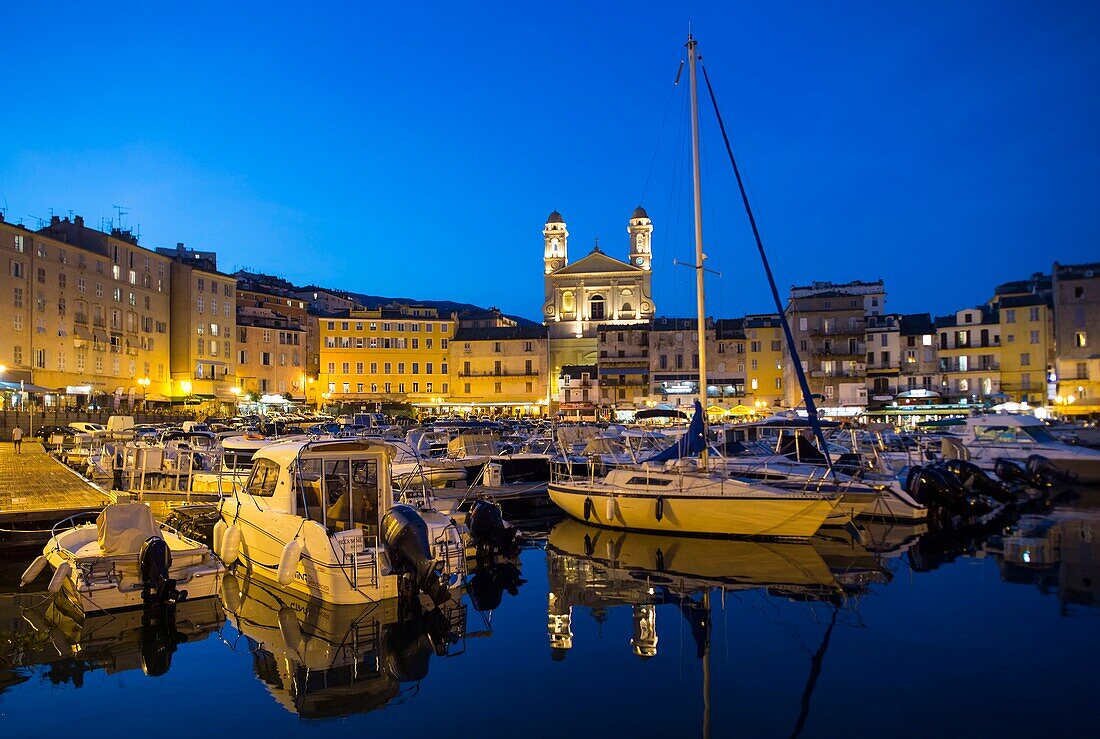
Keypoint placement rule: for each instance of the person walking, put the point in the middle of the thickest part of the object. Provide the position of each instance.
(17, 439)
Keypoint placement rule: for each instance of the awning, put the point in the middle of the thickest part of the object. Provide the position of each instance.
(82, 333)
(624, 370)
(25, 387)
(100, 336)
(741, 410)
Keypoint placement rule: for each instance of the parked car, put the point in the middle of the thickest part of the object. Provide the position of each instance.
(87, 427)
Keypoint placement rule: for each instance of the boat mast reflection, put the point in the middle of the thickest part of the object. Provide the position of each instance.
(602, 568)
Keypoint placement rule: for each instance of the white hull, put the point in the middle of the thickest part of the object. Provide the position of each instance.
(748, 514)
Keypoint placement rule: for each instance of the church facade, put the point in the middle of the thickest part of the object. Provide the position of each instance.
(596, 289)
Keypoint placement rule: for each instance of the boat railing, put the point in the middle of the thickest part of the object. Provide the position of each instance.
(69, 523)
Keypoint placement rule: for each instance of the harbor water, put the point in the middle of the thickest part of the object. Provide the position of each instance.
(890, 630)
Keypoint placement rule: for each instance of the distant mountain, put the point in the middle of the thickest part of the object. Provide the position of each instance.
(443, 306)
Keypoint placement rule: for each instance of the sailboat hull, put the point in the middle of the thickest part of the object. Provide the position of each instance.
(750, 515)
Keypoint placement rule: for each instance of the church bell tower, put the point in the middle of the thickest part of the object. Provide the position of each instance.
(641, 235)
(555, 253)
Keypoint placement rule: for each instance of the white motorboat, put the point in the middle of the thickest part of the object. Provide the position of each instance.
(126, 560)
(319, 518)
(988, 438)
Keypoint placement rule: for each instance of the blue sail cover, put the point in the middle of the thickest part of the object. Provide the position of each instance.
(688, 445)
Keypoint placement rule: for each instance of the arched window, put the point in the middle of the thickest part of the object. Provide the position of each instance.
(596, 308)
(567, 305)
(626, 310)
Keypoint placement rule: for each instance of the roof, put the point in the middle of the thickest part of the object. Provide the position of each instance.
(574, 371)
(639, 212)
(730, 328)
(632, 326)
(596, 262)
(1076, 271)
(555, 217)
(1024, 301)
(674, 324)
(914, 324)
(501, 333)
(989, 316)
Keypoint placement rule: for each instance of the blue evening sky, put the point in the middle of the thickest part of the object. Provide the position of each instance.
(416, 150)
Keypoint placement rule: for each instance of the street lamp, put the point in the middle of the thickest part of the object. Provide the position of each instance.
(144, 382)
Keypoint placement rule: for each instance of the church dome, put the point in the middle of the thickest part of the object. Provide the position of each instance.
(639, 212)
(555, 217)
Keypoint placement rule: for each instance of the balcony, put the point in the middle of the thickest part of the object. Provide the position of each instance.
(99, 322)
(501, 373)
(81, 318)
(842, 349)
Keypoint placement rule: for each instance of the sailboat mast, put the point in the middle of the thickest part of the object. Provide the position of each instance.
(701, 326)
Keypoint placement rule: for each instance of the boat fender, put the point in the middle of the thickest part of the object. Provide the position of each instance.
(219, 532)
(288, 563)
(588, 508)
(33, 571)
(231, 593)
(610, 509)
(291, 631)
(60, 575)
(659, 563)
(230, 545)
(660, 508)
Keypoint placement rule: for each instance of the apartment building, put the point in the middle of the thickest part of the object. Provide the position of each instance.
(623, 350)
(674, 360)
(766, 361)
(277, 339)
(578, 390)
(918, 361)
(501, 370)
(969, 354)
(829, 324)
(88, 313)
(204, 316)
(1076, 299)
(392, 354)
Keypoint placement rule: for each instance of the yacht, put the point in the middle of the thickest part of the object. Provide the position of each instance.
(987, 438)
(319, 518)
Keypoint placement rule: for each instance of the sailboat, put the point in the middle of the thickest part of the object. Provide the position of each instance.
(651, 497)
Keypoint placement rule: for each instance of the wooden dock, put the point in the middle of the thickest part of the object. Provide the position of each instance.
(37, 491)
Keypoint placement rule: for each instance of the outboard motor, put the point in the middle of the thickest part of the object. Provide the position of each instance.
(1009, 471)
(976, 480)
(488, 529)
(405, 537)
(154, 563)
(1044, 473)
(930, 487)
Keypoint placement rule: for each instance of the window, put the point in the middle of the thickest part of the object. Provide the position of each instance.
(1034, 337)
(17, 297)
(1079, 339)
(1033, 314)
(1025, 359)
(1010, 316)
(1082, 370)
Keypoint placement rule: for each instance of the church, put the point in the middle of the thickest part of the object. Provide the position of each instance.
(596, 289)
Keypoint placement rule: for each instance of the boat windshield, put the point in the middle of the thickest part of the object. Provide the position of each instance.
(1039, 434)
(340, 493)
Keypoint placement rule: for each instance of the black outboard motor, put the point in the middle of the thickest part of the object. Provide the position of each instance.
(974, 479)
(405, 537)
(1009, 471)
(930, 487)
(488, 529)
(487, 586)
(1044, 473)
(154, 563)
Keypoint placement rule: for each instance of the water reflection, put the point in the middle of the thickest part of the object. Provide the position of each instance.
(43, 632)
(1056, 553)
(319, 660)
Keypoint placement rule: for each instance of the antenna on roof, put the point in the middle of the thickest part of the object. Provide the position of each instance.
(41, 221)
(122, 211)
